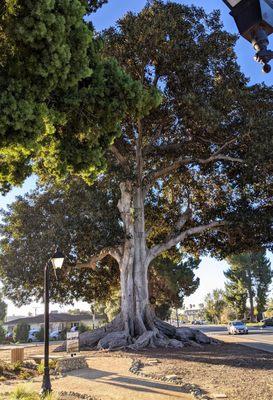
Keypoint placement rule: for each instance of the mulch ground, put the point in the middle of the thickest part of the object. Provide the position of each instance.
(238, 372)
(229, 370)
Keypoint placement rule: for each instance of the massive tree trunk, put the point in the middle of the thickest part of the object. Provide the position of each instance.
(135, 307)
(137, 325)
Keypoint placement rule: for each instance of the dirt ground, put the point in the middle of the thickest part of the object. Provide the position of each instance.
(228, 371)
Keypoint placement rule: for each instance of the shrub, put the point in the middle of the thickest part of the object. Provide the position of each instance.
(20, 333)
(2, 334)
(41, 334)
(83, 328)
(26, 393)
(16, 367)
(40, 367)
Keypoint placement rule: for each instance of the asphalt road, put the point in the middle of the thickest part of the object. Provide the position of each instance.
(261, 339)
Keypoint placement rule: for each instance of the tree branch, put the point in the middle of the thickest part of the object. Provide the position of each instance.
(120, 158)
(179, 163)
(173, 241)
(114, 252)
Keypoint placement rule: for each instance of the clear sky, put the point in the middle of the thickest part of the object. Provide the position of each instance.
(210, 271)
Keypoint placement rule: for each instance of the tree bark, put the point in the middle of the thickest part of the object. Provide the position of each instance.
(250, 294)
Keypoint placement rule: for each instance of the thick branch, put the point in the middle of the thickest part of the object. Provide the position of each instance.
(173, 241)
(120, 158)
(124, 206)
(139, 157)
(114, 252)
(180, 162)
(183, 219)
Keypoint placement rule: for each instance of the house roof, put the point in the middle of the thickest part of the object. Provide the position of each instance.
(53, 317)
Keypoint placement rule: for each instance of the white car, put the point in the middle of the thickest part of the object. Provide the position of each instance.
(237, 327)
(55, 335)
(32, 335)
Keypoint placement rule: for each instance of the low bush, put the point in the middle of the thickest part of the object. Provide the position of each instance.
(41, 334)
(52, 366)
(20, 333)
(26, 393)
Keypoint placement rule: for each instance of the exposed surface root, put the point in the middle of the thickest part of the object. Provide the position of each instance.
(113, 336)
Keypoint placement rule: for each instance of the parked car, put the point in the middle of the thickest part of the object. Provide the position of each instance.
(32, 335)
(9, 336)
(237, 327)
(55, 335)
(197, 322)
(267, 322)
(74, 329)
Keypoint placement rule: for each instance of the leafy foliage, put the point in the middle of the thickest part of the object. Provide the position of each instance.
(249, 276)
(171, 279)
(83, 220)
(204, 155)
(20, 333)
(214, 306)
(208, 147)
(3, 308)
(61, 101)
(41, 334)
(2, 334)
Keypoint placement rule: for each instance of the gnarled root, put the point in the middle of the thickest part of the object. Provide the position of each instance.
(162, 334)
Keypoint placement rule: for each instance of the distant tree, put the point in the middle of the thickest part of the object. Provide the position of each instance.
(172, 278)
(3, 309)
(83, 328)
(269, 309)
(2, 334)
(20, 333)
(214, 305)
(263, 277)
(249, 276)
(236, 293)
(41, 334)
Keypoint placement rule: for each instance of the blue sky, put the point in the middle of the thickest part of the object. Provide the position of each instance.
(210, 271)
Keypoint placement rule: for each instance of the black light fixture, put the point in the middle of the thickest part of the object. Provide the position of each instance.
(254, 19)
(58, 259)
(57, 262)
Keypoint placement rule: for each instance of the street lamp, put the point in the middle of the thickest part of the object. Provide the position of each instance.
(57, 263)
(254, 19)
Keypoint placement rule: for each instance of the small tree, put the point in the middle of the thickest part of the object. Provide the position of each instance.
(41, 334)
(20, 333)
(83, 328)
(249, 276)
(2, 334)
(3, 309)
(214, 306)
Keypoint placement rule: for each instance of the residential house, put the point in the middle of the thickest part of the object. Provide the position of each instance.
(57, 321)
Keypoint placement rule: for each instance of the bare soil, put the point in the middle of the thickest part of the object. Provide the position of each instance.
(227, 371)
(238, 372)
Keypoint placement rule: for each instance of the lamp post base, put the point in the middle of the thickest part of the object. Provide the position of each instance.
(46, 385)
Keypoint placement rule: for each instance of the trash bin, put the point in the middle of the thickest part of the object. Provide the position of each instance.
(17, 355)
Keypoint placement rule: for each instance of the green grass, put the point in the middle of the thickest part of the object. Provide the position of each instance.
(254, 324)
(26, 393)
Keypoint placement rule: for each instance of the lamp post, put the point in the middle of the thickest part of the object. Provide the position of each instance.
(57, 263)
(254, 19)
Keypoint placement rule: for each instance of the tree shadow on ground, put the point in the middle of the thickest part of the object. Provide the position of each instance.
(135, 383)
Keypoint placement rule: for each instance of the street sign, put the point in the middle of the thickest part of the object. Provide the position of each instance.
(72, 342)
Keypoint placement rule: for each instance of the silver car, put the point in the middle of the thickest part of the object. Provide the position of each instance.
(237, 327)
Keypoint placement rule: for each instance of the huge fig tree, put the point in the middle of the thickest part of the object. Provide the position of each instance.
(195, 174)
